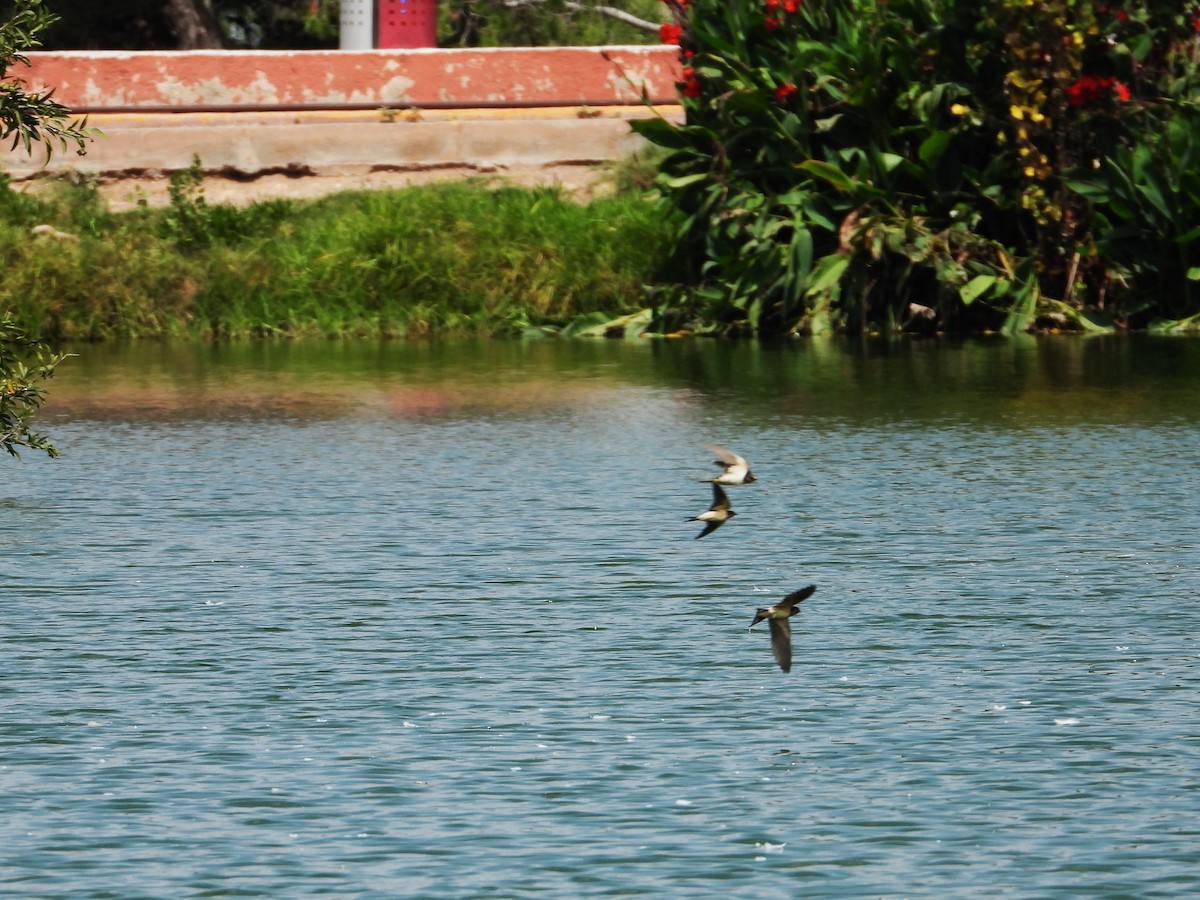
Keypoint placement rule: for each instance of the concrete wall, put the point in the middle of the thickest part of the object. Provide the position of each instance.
(334, 112)
(192, 80)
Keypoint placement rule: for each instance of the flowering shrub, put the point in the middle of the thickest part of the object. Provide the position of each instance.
(873, 165)
(1087, 89)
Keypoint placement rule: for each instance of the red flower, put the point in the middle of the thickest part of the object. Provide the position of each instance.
(791, 6)
(772, 5)
(691, 88)
(771, 22)
(783, 92)
(1087, 89)
(669, 32)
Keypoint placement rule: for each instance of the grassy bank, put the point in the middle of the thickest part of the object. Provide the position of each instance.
(451, 258)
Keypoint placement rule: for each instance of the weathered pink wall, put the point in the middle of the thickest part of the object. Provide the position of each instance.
(108, 80)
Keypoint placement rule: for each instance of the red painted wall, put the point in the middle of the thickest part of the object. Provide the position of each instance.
(113, 80)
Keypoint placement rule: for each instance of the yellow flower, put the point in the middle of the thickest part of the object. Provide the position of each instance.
(1016, 112)
(957, 109)
(1030, 171)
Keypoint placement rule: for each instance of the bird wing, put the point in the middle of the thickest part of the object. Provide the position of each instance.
(799, 596)
(781, 642)
(720, 498)
(711, 526)
(724, 456)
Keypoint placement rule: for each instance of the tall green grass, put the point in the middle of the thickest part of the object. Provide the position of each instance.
(452, 258)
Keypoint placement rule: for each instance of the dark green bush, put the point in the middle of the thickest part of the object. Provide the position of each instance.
(872, 165)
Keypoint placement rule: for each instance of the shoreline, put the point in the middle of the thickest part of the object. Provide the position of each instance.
(130, 190)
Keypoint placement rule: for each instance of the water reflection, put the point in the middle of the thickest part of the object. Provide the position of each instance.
(1023, 380)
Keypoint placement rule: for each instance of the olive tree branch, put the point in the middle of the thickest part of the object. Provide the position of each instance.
(611, 11)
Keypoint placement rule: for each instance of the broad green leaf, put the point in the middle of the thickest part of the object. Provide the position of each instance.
(1092, 189)
(828, 272)
(1094, 321)
(753, 312)
(934, 147)
(1151, 189)
(1023, 310)
(802, 252)
(818, 210)
(827, 172)
(661, 132)
(683, 181)
(976, 288)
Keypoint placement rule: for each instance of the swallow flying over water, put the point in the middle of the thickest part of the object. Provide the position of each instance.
(736, 469)
(716, 515)
(781, 630)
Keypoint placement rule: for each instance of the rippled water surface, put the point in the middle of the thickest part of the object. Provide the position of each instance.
(399, 620)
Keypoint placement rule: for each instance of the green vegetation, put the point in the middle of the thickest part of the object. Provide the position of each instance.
(541, 23)
(873, 165)
(845, 165)
(451, 258)
(24, 363)
(307, 24)
(32, 119)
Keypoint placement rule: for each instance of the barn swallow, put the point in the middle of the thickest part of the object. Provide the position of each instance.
(735, 468)
(716, 515)
(781, 629)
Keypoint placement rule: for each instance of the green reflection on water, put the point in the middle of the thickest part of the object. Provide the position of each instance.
(1028, 379)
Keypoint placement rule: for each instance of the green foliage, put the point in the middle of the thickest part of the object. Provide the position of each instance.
(148, 25)
(192, 223)
(304, 24)
(24, 362)
(867, 165)
(462, 258)
(543, 23)
(1145, 203)
(32, 119)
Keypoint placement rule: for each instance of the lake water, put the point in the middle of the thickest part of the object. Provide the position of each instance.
(384, 620)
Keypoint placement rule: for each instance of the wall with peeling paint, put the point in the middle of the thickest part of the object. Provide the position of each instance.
(245, 114)
(102, 81)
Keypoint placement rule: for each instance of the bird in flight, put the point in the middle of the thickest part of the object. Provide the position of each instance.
(781, 629)
(716, 515)
(735, 469)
